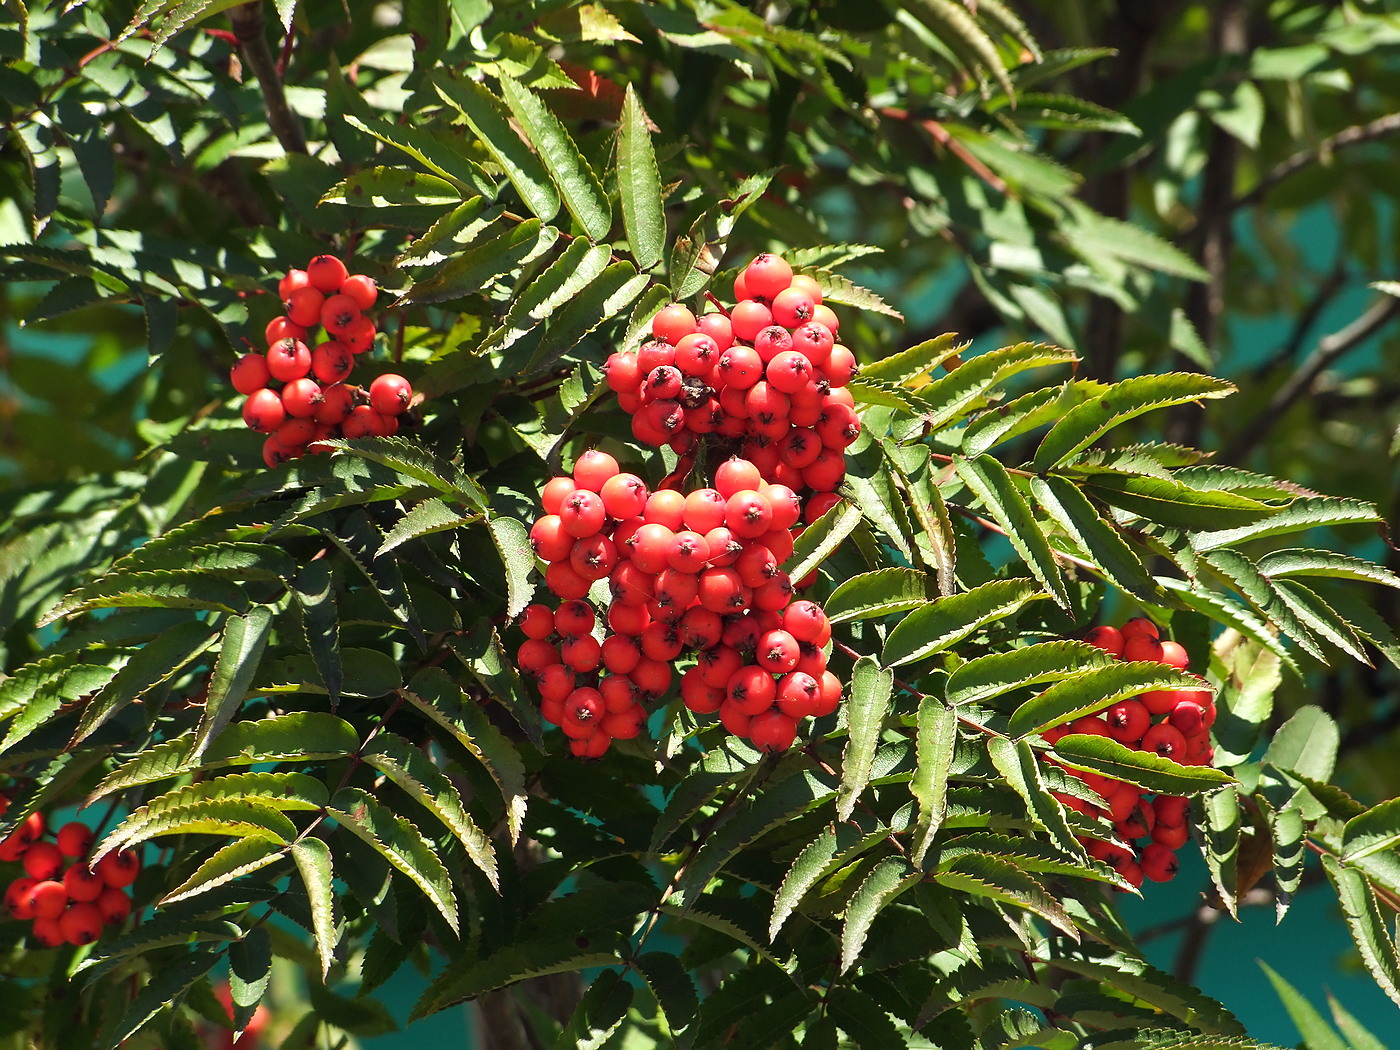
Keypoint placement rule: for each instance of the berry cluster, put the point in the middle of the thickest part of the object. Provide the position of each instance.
(689, 575)
(297, 394)
(1173, 723)
(68, 901)
(696, 574)
(768, 376)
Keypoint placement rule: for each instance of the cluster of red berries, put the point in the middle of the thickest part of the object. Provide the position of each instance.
(68, 901)
(689, 575)
(696, 574)
(768, 376)
(1173, 723)
(297, 394)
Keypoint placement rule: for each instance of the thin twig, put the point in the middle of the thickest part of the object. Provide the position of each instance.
(1329, 349)
(249, 27)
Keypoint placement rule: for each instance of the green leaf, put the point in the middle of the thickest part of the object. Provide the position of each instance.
(426, 518)
(886, 881)
(1001, 880)
(512, 541)
(1376, 829)
(671, 985)
(313, 861)
(155, 662)
(578, 266)
(599, 1013)
(820, 538)
(916, 361)
(1305, 512)
(1167, 502)
(432, 152)
(167, 985)
(250, 971)
(572, 177)
(639, 185)
(993, 485)
(1307, 744)
(398, 842)
(1290, 851)
(1071, 510)
(1146, 769)
(1352, 1029)
(1016, 762)
(1025, 413)
(1303, 562)
(805, 872)
(232, 817)
(412, 460)
(936, 737)
(869, 486)
(935, 539)
(442, 700)
(238, 858)
(186, 589)
(946, 399)
(491, 122)
(391, 187)
(616, 289)
(871, 689)
(314, 592)
(516, 961)
(419, 777)
(862, 1018)
(301, 736)
(1316, 1032)
(240, 650)
(843, 292)
(1094, 690)
(694, 254)
(775, 805)
(1368, 928)
(1084, 424)
(1320, 618)
(1095, 237)
(871, 595)
(949, 620)
(955, 27)
(980, 679)
(472, 270)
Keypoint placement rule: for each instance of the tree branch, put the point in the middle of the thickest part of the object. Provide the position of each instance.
(1328, 350)
(249, 25)
(1355, 135)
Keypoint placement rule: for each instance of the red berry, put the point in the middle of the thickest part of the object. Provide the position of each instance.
(673, 323)
(81, 923)
(751, 689)
(249, 373)
(537, 621)
(1144, 647)
(574, 617)
(361, 289)
(1107, 638)
(581, 652)
(1139, 625)
(43, 860)
(301, 398)
(792, 307)
(75, 839)
(582, 513)
(1159, 862)
(624, 496)
(620, 653)
(1174, 655)
(114, 905)
(666, 507)
(739, 367)
(338, 313)
(17, 899)
(290, 282)
(767, 275)
(288, 359)
(337, 402)
(303, 306)
(777, 652)
(282, 327)
(47, 899)
(119, 868)
(1127, 721)
(772, 731)
(593, 469)
(326, 273)
(621, 373)
(390, 395)
(748, 318)
(359, 336)
(82, 883)
(1165, 740)
(840, 366)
